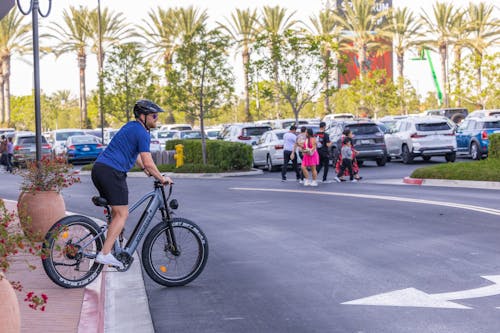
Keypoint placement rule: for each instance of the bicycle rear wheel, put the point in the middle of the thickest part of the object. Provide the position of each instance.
(170, 269)
(71, 246)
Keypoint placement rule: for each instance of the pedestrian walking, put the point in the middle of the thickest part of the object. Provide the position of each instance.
(347, 155)
(3, 150)
(10, 154)
(323, 144)
(301, 138)
(289, 140)
(338, 163)
(310, 158)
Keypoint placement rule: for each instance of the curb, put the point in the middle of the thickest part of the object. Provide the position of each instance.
(453, 183)
(252, 172)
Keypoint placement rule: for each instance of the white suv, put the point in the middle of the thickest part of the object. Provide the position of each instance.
(424, 137)
(247, 133)
(57, 139)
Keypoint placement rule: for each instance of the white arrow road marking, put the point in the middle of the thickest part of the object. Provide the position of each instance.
(380, 197)
(416, 298)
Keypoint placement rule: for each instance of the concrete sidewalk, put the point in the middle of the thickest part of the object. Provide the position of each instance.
(114, 302)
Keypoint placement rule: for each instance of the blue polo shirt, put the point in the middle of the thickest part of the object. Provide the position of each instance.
(128, 142)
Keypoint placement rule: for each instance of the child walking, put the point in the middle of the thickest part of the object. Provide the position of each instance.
(347, 155)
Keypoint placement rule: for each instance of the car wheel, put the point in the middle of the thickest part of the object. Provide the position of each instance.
(426, 158)
(406, 155)
(474, 151)
(269, 164)
(451, 157)
(381, 161)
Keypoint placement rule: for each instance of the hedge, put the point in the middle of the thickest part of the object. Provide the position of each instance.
(494, 146)
(225, 155)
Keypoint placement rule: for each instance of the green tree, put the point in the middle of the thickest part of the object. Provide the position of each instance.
(364, 32)
(484, 32)
(300, 70)
(326, 31)
(242, 28)
(201, 80)
(72, 36)
(127, 78)
(459, 34)
(14, 38)
(440, 26)
(274, 22)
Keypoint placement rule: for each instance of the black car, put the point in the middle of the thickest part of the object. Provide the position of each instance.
(368, 140)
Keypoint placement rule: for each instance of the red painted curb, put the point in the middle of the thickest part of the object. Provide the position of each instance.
(413, 181)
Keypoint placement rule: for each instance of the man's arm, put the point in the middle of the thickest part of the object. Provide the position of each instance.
(145, 161)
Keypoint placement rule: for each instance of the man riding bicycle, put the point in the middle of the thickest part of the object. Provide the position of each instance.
(130, 145)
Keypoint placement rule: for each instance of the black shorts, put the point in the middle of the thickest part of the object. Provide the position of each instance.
(111, 184)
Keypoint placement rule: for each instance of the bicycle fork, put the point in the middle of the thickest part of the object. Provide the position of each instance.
(171, 245)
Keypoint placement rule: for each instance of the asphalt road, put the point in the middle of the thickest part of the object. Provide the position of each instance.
(284, 258)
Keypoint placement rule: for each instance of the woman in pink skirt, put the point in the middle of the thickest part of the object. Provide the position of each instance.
(310, 159)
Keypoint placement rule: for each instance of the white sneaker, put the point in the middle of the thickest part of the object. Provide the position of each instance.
(314, 183)
(337, 179)
(354, 181)
(326, 181)
(301, 181)
(307, 183)
(108, 259)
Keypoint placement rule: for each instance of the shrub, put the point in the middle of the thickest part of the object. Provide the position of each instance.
(494, 146)
(225, 155)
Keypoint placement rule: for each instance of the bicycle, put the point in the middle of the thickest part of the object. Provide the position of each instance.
(174, 252)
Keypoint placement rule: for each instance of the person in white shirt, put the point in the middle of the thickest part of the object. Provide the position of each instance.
(289, 140)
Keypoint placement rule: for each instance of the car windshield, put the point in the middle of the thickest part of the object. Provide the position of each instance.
(213, 133)
(364, 129)
(428, 127)
(82, 140)
(255, 131)
(191, 135)
(165, 135)
(63, 136)
(492, 124)
(26, 140)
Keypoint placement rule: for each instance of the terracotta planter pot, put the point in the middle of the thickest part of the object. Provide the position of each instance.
(10, 318)
(38, 211)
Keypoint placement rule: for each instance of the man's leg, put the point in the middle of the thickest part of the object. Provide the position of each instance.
(118, 219)
(286, 159)
(325, 161)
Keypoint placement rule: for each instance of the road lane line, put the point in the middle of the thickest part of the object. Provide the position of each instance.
(479, 209)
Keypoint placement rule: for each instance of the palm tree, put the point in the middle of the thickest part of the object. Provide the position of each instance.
(190, 20)
(161, 35)
(404, 28)
(440, 27)
(460, 35)
(362, 31)
(15, 37)
(325, 29)
(113, 31)
(274, 22)
(73, 36)
(242, 28)
(484, 30)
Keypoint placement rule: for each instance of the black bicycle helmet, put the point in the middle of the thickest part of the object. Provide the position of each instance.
(145, 106)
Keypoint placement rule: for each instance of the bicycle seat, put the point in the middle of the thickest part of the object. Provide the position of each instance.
(99, 201)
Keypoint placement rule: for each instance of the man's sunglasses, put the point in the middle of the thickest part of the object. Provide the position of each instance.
(154, 115)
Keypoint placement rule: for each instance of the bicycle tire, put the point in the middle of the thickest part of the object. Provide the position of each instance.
(59, 245)
(155, 262)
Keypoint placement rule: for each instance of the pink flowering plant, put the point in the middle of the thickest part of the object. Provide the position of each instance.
(49, 175)
(13, 242)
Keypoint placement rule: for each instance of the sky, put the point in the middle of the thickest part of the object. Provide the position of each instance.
(62, 73)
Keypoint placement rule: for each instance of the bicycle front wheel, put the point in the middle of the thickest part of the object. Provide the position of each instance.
(175, 268)
(70, 248)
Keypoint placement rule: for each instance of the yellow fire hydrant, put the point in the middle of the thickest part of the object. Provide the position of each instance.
(179, 155)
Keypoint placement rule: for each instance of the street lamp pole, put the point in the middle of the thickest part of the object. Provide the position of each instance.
(101, 88)
(34, 9)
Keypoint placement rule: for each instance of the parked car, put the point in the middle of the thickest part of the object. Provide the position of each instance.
(155, 143)
(334, 117)
(3, 131)
(95, 132)
(457, 115)
(164, 136)
(472, 136)
(422, 137)
(390, 121)
(109, 134)
(248, 133)
(58, 139)
(268, 151)
(82, 148)
(213, 132)
(25, 148)
(368, 140)
(188, 134)
(176, 127)
(484, 113)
